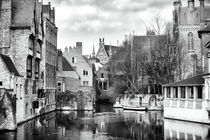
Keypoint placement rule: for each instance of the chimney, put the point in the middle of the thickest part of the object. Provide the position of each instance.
(79, 47)
(177, 3)
(202, 11)
(191, 5)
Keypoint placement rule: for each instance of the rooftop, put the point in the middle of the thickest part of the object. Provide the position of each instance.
(197, 80)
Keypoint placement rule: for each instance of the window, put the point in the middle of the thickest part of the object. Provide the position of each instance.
(105, 86)
(168, 92)
(85, 83)
(200, 92)
(29, 67)
(31, 42)
(1, 83)
(190, 93)
(190, 41)
(102, 75)
(85, 72)
(74, 60)
(183, 95)
(37, 68)
(59, 86)
(145, 57)
(175, 93)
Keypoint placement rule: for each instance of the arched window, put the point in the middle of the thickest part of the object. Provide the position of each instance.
(37, 68)
(29, 66)
(190, 41)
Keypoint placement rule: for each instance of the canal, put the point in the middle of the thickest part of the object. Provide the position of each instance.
(107, 124)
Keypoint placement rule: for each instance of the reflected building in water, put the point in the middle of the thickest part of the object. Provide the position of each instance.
(185, 130)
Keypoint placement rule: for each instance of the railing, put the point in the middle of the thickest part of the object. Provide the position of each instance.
(167, 103)
(208, 105)
(189, 104)
(182, 103)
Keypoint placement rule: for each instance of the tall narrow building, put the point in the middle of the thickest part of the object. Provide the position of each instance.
(49, 59)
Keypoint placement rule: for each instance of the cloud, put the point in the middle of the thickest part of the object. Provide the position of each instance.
(87, 20)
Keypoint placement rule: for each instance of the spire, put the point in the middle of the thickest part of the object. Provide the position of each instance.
(93, 53)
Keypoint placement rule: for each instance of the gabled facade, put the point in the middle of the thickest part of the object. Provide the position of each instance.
(81, 65)
(105, 52)
(67, 77)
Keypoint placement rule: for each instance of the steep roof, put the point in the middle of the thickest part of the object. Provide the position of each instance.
(197, 80)
(113, 48)
(9, 64)
(87, 60)
(205, 29)
(66, 65)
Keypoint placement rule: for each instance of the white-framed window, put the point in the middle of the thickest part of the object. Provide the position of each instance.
(190, 92)
(85, 72)
(168, 92)
(183, 94)
(74, 60)
(85, 83)
(59, 86)
(1, 83)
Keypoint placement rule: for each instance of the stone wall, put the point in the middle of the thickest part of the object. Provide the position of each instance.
(148, 100)
(7, 111)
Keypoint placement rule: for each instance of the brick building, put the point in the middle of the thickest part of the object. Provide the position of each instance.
(187, 21)
(22, 35)
(49, 59)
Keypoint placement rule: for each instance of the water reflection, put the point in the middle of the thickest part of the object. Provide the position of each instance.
(185, 130)
(116, 125)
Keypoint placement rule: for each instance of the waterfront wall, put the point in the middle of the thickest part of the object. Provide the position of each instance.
(7, 111)
(148, 100)
(75, 101)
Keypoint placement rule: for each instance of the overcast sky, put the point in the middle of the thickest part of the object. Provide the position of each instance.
(88, 20)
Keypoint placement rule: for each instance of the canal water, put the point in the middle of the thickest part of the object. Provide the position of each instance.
(107, 124)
